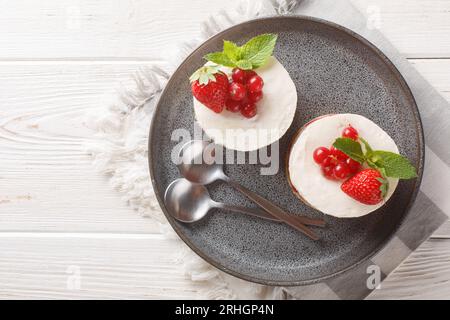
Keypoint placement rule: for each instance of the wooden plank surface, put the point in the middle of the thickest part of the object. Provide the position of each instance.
(139, 29)
(58, 59)
(419, 29)
(48, 182)
(74, 266)
(100, 29)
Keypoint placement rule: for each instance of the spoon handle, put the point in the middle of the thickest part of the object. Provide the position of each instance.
(256, 212)
(273, 209)
(260, 213)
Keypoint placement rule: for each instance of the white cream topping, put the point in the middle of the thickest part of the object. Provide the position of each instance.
(323, 194)
(275, 113)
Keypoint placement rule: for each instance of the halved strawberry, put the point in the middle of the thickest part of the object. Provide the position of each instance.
(367, 186)
(209, 85)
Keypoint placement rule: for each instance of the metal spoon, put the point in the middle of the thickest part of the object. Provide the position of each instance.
(198, 166)
(189, 202)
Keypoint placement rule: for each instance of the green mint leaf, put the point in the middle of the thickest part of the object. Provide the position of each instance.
(251, 55)
(367, 147)
(382, 171)
(351, 148)
(232, 51)
(244, 64)
(393, 165)
(371, 164)
(258, 49)
(220, 58)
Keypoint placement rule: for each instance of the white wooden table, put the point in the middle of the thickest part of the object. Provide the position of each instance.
(58, 216)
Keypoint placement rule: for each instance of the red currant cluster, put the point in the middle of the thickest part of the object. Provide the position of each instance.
(244, 91)
(334, 163)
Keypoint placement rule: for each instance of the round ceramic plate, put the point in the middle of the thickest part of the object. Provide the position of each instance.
(335, 71)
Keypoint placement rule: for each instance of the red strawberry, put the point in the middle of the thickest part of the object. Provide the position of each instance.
(210, 87)
(367, 186)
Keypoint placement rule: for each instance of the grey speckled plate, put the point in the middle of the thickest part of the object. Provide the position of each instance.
(335, 71)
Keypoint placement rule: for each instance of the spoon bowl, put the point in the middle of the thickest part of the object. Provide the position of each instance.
(198, 162)
(187, 202)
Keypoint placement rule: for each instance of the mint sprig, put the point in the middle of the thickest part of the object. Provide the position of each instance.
(366, 146)
(258, 49)
(231, 50)
(351, 148)
(251, 55)
(393, 164)
(389, 164)
(220, 58)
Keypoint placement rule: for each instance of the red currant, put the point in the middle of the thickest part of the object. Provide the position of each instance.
(233, 106)
(249, 74)
(338, 153)
(237, 91)
(350, 132)
(328, 172)
(328, 161)
(255, 96)
(238, 75)
(341, 170)
(255, 84)
(320, 154)
(353, 165)
(248, 109)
